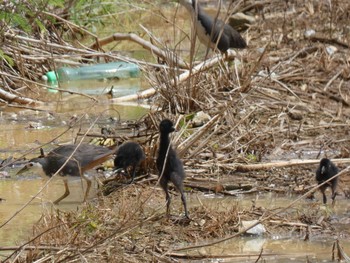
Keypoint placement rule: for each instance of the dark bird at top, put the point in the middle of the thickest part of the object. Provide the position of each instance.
(85, 157)
(213, 31)
(129, 154)
(169, 165)
(325, 171)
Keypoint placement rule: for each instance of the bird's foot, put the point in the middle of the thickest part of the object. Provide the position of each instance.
(184, 220)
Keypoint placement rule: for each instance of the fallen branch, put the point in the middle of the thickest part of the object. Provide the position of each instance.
(333, 41)
(184, 146)
(244, 257)
(198, 68)
(45, 248)
(10, 98)
(266, 166)
(298, 224)
(145, 44)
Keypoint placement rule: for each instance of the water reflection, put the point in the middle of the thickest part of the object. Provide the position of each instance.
(18, 192)
(23, 130)
(16, 137)
(287, 248)
(116, 88)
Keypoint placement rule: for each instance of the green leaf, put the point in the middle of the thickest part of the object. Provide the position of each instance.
(57, 3)
(40, 25)
(7, 58)
(21, 22)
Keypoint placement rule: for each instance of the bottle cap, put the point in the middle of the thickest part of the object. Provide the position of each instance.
(51, 76)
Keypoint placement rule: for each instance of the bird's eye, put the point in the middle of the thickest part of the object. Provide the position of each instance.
(30, 164)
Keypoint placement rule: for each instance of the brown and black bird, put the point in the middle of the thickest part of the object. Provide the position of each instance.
(129, 154)
(85, 157)
(169, 165)
(213, 31)
(325, 171)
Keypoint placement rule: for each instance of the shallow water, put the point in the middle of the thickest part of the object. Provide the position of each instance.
(276, 248)
(22, 130)
(19, 192)
(286, 248)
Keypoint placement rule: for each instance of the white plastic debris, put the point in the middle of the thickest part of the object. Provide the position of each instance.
(309, 33)
(259, 229)
(331, 50)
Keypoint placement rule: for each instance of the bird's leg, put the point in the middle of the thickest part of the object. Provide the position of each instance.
(324, 197)
(183, 198)
(323, 190)
(133, 174)
(179, 186)
(164, 185)
(66, 193)
(334, 193)
(88, 186)
(168, 200)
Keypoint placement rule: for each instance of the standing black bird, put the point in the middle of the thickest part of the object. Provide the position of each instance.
(213, 32)
(169, 165)
(84, 158)
(129, 154)
(325, 171)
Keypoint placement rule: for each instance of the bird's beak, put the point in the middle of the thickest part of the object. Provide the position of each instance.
(24, 169)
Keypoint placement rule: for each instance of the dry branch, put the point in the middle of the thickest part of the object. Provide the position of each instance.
(184, 76)
(145, 44)
(280, 164)
(10, 98)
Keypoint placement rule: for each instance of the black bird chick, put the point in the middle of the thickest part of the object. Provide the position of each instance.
(213, 32)
(169, 165)
(85, 157)
(129, 154)
(325, 171)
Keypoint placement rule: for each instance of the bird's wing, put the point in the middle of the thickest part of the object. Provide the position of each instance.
(236, 40)
(90, 156)
(86, 156)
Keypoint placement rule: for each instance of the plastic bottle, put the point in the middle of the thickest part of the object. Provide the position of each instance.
(122, 70)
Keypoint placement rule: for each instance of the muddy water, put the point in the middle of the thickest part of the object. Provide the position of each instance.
(22, 130)
(287, 248)
(17, 192)
(276, 251)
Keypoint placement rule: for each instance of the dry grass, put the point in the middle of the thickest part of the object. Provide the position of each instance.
(289, 101)
(130, 225)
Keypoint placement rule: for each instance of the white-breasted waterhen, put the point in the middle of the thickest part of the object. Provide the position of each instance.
(213, 31)
(85, 157)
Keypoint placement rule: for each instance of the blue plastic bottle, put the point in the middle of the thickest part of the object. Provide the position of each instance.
(121, 70)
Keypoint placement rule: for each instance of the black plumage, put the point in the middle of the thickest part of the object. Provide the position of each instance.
(213, 31)
(325, 171)
(85, 157)
(129, 154)
(169, 165)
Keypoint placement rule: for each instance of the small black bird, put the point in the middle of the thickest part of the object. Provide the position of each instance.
(129, 154)
(325, 171)
(213, 32)
(85, 157)
(169, 165)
